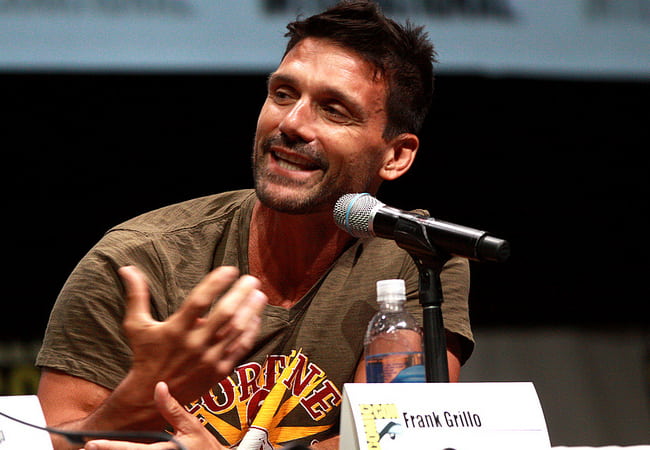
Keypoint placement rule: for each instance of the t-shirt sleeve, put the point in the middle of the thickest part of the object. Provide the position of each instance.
(84, 335)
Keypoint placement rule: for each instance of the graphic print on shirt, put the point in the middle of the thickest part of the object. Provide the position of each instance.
(263, 398)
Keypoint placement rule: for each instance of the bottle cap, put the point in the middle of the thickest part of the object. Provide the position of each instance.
(391, 290)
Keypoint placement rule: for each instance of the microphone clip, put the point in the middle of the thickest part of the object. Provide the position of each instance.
(413, 237)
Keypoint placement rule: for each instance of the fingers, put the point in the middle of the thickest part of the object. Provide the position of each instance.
(245, 318)
(182, 421)
(188, 429)
(235, 338)
(237, 307)
(211, 344)
(238, 348)
(103, 444)
(233, 325)
(204, 294)
(137, 297)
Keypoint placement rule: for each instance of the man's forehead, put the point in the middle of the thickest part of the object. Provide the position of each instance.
(324, 47)
(324, 55)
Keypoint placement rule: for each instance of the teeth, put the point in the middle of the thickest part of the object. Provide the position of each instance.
(287, 165)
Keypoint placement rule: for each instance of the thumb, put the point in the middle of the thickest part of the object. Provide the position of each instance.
(172, 411)
(137, 296)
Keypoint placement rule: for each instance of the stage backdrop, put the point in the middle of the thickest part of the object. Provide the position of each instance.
(593, 38)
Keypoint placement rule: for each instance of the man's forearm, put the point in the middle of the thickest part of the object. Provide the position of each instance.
(130, 407)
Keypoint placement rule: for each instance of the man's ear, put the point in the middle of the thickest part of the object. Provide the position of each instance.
(400, 156)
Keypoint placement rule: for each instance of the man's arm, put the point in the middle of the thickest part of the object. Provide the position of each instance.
(190, 351)
(67, 400)
(453, 356)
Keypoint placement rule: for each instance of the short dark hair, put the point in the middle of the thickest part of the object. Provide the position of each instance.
(401, 53)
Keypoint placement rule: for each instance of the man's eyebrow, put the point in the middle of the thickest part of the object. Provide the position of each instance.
(275, 77)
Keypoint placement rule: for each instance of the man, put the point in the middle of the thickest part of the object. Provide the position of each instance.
(341, 115)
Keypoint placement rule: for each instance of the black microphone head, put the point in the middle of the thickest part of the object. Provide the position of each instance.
(354, 212)
(493, 249)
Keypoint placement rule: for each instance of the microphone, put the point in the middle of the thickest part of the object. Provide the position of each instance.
(362, 215)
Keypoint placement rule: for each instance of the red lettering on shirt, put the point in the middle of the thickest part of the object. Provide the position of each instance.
(227, 388)
(273, 367)
(248, 374)
(322, 400)
(298, 380)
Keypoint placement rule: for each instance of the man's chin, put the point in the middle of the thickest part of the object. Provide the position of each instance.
(291, 202)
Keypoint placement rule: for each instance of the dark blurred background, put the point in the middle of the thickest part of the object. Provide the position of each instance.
(559, 168)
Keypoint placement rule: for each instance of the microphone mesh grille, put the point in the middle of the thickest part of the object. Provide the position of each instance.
(353, 213)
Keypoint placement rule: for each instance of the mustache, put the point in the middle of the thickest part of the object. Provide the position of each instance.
(297, 146)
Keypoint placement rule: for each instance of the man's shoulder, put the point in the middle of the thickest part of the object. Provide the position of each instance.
(189, 213)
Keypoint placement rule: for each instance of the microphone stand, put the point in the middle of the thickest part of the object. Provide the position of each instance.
(429, 261)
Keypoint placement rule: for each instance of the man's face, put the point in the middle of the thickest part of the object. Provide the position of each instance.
(319, 133)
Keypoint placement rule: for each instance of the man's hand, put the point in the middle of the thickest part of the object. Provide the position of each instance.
(194, 347)
(192, 350)
(189, 431)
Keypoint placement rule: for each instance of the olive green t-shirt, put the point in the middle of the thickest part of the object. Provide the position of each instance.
(304, 354)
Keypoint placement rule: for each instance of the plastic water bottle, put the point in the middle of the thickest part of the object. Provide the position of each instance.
(393, 342)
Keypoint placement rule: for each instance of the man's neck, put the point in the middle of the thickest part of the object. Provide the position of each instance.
(290, 253)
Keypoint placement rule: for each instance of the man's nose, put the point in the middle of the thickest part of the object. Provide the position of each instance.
(299, 121)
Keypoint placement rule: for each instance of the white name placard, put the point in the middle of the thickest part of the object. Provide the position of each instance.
(442, 416)
(17, 436)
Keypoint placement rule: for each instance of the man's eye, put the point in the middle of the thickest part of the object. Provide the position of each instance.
(281, 96)
(335, 113)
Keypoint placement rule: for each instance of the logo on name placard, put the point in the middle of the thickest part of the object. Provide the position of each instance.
(381, 425)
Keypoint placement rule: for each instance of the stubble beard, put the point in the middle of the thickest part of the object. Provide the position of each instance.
(296, 197)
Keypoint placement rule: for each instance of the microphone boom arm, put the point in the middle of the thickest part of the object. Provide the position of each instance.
(412, 237)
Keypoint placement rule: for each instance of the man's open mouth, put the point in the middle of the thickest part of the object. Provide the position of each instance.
(293, 162)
